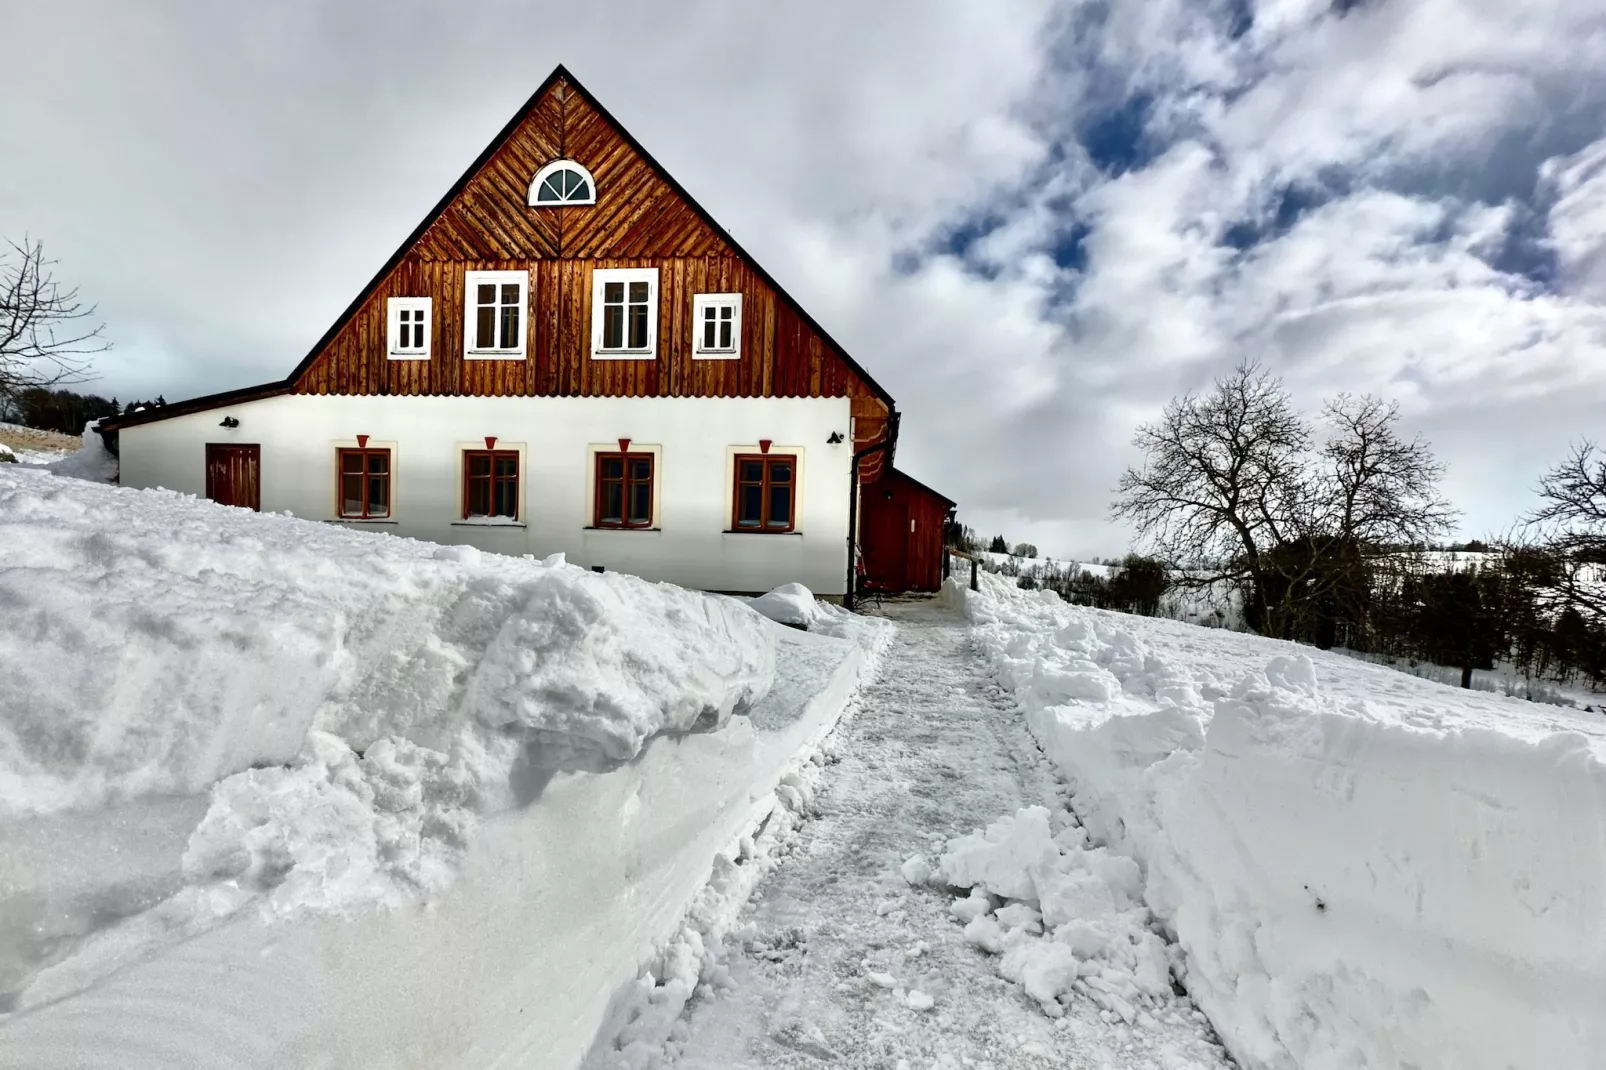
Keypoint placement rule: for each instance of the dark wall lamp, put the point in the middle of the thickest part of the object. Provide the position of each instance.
(229, 421)
(835, 439)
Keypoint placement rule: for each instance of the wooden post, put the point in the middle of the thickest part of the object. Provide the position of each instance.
(947, 563)
(973, 584)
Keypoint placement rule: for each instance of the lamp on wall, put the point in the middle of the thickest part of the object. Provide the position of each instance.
(835, 439)
(229, 421)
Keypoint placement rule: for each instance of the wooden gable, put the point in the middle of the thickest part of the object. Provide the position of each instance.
(641, 218)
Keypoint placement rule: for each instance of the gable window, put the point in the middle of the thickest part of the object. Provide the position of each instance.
(717, 323)
(490, 484)
(562, 182)
(409, 330)
(624, 490)
(364, 484)
(766, 492)
(624, 313)
(494, 316)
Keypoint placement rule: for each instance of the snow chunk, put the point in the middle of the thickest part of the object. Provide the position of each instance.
(917, 1000)
(1004, 859)
(790, 603)
(916, 870)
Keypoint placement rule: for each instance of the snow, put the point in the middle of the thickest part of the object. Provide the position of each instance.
(327, 790)
(791, 603)
(1361, 868)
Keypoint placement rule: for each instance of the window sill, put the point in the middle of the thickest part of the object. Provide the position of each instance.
(624, 354)
(363, 520)
(407, 356)
(489, 522)
(757, 531)
(492, 354)
(717, 354)
(609, 527)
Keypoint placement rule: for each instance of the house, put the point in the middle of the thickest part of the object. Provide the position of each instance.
(568, 355)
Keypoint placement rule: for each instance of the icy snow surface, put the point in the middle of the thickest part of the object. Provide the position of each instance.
(1363, 869)
(203, 708)
(853, 952)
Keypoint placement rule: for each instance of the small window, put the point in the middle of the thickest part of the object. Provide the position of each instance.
(563, 182)
(364, 484)
(624, 490)
(409, 330)
(766, 492)
(494, 316)
(624, 313)
(717, 323)
(490, 484)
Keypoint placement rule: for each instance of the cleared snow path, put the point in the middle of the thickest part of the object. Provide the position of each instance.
(841, 962)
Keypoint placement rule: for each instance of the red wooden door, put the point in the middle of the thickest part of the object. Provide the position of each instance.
(234, 475)
(884, 538)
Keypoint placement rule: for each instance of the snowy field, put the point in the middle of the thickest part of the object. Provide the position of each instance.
(276, 793)
(1361, 868)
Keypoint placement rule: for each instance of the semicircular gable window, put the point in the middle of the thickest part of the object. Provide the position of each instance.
(563, 182)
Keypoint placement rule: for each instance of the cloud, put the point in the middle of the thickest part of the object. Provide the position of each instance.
(1035, 222)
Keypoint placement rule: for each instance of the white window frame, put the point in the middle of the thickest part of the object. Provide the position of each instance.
(394, 307)
(601, 277)
(471, 281)
(560, 165)
(700, 303)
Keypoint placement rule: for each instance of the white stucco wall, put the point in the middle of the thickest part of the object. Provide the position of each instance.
(695, 440)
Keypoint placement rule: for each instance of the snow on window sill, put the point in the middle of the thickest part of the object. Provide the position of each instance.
(611, 527)
(493, 354)
(364, 520)
(624, 354)
(489, 522)
(758, 531)
(408, 356)
(717, 354)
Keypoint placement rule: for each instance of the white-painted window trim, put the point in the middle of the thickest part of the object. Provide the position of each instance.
(701, 305)
(553, 167)
(472, 280)
(396, 340)
(599, 280)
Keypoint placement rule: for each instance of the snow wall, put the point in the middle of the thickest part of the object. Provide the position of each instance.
(278, 793)
(1363, 869)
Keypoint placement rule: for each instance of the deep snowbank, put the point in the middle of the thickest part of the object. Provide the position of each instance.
(354, 704)
(1364, 869)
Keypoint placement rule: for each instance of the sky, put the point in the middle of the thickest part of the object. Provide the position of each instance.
(1034, 222)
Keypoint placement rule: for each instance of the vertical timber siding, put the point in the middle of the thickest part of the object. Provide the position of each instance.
(639, 220)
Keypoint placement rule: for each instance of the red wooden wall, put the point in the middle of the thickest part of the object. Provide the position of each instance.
(901, 533)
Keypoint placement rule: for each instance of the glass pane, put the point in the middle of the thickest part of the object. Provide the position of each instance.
(479, 464)
(351, 495)
(751, 502)
(581, 191)
(638, 293)
(507, 467)
(640, 503)
(479, 497)
(613, 327)
(638, 326)
(510, 326)
(550, 190)
(780, 507)
(613, 468)
(487, 294)
(725, 340)
(378, 496)
(485, 328)
(708, 331)
(510, 293)
(507, 498)
(752, 471)
(418, 334)
(351, 462)
(379, 463)
(641, 468)
(613, 292)
(780, 472)
(613, 496)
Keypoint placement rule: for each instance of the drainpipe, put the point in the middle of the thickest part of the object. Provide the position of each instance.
(853, 502)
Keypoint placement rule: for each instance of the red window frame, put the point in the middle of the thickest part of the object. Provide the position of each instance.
(625, 482)
(366, 456)
(766, 485)
(492, 480)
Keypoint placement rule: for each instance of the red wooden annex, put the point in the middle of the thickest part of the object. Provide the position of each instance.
(901, 534)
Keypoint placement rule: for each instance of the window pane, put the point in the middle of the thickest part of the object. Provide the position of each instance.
(351, 462)
(485, 328)
(378, 495)
(507, 498)
(752, 502)
(640, 503)
(613, 495)
(613, 327)
(581, 191)
(752, 471)
(479, 464)
(510, 326)
(418, 333)
(479, 497)
(708, 328)
(379, 463)
(641, 468)
(780, 506)
(780, 472)
(487, 293)
(510, 293)
(507, 467)
(638, 293)
(613, 292)
(725, 340)
(351, 495)
(550, 190)
(613, 468)
(638, 326)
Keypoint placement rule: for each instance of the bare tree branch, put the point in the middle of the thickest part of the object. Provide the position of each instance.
(46, 335)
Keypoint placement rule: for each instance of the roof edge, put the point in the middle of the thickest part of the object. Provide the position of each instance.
(193, 405)
(901, 474)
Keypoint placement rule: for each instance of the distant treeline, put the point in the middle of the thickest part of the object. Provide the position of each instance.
(65, 411)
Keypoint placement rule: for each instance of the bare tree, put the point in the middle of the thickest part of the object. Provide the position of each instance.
(1378, 489)
(46, 335)
(1222, 480)
(1574, 508)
